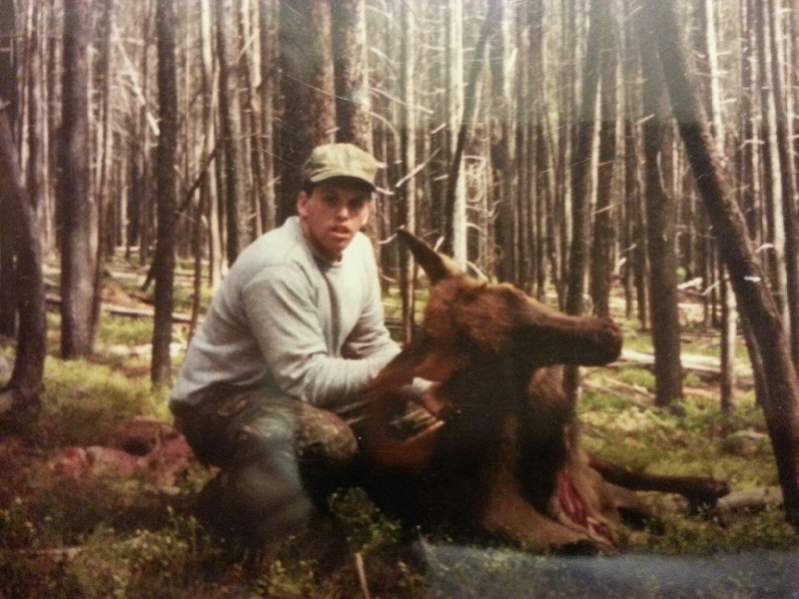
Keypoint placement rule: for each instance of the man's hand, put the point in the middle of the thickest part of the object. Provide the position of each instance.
(433, 403)
(412, 453)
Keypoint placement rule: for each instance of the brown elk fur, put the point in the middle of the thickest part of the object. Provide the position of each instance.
(506, 462)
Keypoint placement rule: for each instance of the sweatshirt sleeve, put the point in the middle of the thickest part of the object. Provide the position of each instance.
(281, 312)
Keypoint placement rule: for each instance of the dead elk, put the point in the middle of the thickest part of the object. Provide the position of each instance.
(506, 461)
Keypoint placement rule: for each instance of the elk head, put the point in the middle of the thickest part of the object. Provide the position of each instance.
(468, 321)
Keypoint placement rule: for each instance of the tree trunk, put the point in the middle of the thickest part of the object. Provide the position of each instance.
(103, 160)
(308, 91)
(601, 258)
(788, 184)
(79, 251)
(266, 14)
(161, 367)
(770, 196)
(351, 74)
(407, 191)
(25, 385)
(455, 228)
(209, 199)
(8, 94)
(499, 131)
(581, 165)
(229, 116)
(781, 406)
(455, 218)
(250, 122)
(660, 219)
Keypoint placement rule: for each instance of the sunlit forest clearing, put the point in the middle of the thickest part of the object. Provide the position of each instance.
(110, 531)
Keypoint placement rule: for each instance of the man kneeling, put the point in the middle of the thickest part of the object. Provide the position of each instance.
(270, 388)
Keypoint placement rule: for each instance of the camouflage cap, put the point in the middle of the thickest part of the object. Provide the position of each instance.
(340, 160)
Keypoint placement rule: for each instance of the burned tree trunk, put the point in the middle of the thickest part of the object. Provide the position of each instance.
(781, 406)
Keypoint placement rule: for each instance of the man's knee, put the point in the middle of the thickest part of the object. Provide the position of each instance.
(259, 500)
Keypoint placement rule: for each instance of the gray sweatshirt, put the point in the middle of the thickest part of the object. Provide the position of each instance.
(285, 317)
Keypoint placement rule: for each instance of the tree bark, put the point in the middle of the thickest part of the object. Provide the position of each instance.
(8, 96)
(353, 104)
(581, 165)
(407, 191)
(781, 406)
(788, 184)
(79, 251)
(308, 91)
(209, 199)
(161, 366)
(230, 130)
(769, 189)
(660, 219)
(499, 131)
(266, 13)
(26, 384)
(455, 217)
(603, 238)
(455, 230)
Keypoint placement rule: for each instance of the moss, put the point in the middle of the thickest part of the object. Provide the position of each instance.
(83, 401)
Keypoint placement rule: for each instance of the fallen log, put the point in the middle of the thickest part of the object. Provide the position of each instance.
(699, 491)
(701, 365)
(751, 499)
(54, 301)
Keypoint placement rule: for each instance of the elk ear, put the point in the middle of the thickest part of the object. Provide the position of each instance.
(436, 266)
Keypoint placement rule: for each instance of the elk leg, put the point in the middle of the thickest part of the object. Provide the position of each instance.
(510, 514)
(699, 491)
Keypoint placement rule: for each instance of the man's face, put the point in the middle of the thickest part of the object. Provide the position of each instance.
(332, 214)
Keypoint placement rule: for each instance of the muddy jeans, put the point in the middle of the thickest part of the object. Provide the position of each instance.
(278, 456)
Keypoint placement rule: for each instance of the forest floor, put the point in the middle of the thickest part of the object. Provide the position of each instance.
(84, 514)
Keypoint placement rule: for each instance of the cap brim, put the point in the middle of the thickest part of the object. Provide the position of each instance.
(327, 175)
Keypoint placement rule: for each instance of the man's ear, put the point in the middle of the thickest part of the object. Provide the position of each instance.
(367, 212)
(302, 202)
